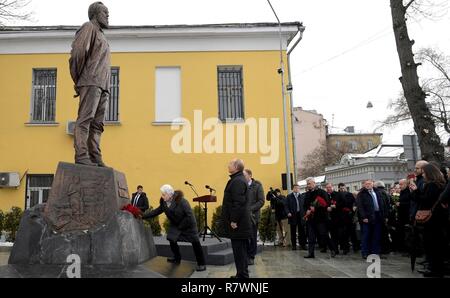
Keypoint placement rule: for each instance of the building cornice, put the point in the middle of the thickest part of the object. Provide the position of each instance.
(170, 38)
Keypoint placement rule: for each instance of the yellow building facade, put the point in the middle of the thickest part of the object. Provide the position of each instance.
(162, 73)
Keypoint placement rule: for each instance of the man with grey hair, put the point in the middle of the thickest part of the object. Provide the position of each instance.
(316, 215)
(90, 70)
(236, 216)
(372, 213)
(182, 224)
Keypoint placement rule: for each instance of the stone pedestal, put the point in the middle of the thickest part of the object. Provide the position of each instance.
(83, 217)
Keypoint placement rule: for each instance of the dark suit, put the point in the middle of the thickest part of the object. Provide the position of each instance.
(344, 207)
(256, 197)
(335, 217)
(416, 196)
(295, 206)
(371, 231)
(236, 208)
(317, 222)
(140, 201)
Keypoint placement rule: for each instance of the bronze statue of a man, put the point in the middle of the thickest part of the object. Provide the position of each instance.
(90, 68)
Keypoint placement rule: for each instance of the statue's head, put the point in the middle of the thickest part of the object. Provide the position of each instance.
(99, 12)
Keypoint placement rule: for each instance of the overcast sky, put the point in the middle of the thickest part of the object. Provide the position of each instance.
(346, 58)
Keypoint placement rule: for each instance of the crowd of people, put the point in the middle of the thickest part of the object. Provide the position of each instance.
(411, 218)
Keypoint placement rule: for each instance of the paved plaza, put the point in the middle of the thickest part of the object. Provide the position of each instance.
(281, 262)
(285, 263)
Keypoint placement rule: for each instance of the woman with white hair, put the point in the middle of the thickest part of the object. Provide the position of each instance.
(183, 226)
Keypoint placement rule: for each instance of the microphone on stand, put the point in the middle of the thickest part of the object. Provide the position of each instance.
(210, 188)
(192, 187)
(199, 206)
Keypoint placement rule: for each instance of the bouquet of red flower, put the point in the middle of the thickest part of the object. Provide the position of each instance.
(318, 202)
(137, 213)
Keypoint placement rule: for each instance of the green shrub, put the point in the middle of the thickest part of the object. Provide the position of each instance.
(267, 225)
(217, 223)
(11, 223)
(153, 224)
(2, 218)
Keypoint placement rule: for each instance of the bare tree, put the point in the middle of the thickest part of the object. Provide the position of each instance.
(414, 94)
(315, 162)
(437, 88)
(14, 10)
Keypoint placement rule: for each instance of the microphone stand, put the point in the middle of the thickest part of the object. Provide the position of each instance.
(199, 206)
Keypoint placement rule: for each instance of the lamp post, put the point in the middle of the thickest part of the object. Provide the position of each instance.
(283, 93)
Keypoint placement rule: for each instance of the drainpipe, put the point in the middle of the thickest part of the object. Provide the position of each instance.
(301, 29)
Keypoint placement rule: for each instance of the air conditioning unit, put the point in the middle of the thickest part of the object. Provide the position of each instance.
(9, 179)
(70, 127)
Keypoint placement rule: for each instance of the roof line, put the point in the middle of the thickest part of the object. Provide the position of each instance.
(219, 25)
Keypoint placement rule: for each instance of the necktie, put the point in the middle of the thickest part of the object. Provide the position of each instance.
(296, 201)
(136, 198)
(375, 201)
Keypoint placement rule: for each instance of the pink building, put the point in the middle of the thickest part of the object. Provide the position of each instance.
(309, 134)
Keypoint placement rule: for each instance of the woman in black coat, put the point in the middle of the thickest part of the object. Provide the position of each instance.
(434, 228)
(183, 226)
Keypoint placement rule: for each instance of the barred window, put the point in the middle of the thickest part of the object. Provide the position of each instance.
(112, 106)
(231, 95)
(38, 189)
(44, 95)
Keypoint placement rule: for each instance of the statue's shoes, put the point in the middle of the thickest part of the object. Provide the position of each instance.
(86, 162)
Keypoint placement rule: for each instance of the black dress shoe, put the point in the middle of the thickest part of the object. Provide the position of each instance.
(364, 257)
(309, 257)
(233, 276)
(323, 250)
(304, 247)
(173, 260)
(200, 268)
(345, 252)
(251, 261)
(333, 254)
(294, 248)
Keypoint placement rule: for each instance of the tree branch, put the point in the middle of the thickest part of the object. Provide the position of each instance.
(409, 4)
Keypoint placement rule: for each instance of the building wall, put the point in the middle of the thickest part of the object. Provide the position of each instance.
(353, 176)
(136, 147)
(310, 133)
(361, 141)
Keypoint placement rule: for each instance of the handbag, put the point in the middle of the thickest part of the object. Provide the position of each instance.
(422, 216)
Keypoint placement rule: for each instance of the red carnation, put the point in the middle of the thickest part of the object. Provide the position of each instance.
(321, 201)
(137, 213)
(411, 176)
